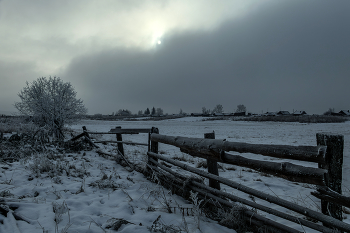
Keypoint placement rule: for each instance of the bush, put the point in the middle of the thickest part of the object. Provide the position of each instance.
(50, 102)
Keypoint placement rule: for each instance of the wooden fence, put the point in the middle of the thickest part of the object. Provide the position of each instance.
(328, 154)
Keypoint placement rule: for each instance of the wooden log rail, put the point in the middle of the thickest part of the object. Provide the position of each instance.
(118, 131)
(326, 194)
(124, 142)
(203, 188)
(177, 180)
(211, 149)
(329, 221)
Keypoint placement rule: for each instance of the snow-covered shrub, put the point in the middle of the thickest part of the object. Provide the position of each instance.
(59, 210)
(105, 183)
(50, 102)
(55, 165)
(159, 226)
(6, 193)
(197, 208)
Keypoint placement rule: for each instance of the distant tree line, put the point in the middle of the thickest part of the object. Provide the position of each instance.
(220, 109)
(147, 112)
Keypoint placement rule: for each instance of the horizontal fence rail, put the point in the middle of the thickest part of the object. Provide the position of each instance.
(213, 147)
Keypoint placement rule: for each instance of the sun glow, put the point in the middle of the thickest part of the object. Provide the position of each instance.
(157, 39)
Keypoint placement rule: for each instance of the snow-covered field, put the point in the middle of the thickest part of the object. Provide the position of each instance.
(96, 192)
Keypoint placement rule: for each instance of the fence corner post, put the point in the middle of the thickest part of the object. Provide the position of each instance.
(212, 165)
(333, 162)
(120, 138)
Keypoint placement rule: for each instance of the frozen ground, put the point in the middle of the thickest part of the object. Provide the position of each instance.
(92, 192)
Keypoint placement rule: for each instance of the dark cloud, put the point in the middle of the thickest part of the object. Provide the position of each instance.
(288, 55)
(13, 76)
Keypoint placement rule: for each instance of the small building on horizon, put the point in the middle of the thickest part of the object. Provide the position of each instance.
(344, 113)
(299, 113)
(283, 113)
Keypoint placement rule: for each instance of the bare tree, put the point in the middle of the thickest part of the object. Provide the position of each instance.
(241, 108)
(159, 111)
(124, 112)
(218, 109)
(51, 102)
(205, 111)
(329, 112)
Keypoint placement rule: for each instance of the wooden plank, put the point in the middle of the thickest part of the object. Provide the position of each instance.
(332, 222)
(213, 147)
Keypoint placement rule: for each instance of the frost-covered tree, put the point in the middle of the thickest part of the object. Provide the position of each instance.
(218, 109)
(124, 112)
(205, 111)
(51, 102)
(159, 111)
(241, 108)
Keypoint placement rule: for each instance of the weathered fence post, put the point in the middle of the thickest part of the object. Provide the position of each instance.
(120, 138)
(212, 165)
(154, 145)
(334, 164)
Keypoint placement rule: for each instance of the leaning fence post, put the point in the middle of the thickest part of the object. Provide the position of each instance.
(212, 165)
(333, 162)
(120, 138)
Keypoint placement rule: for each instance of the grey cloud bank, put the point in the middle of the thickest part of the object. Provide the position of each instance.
(290, 55)
(279, 55)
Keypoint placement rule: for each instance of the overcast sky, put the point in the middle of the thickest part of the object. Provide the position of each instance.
(269, 55)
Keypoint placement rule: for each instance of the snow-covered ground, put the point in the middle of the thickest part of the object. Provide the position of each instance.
(96, 191)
